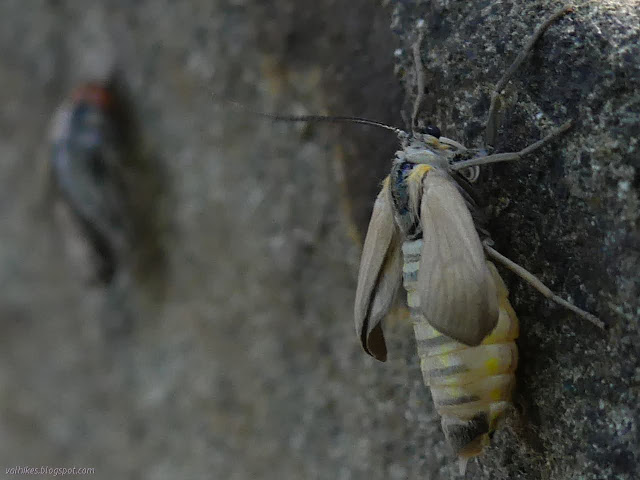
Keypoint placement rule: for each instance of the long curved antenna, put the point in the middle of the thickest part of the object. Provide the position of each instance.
(314, 118)
(420, 80)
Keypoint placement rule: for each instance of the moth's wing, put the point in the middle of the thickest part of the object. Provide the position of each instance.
(458, 296)
(379, 277)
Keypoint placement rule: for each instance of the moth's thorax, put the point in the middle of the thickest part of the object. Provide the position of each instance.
(408, 167)
(405, 214)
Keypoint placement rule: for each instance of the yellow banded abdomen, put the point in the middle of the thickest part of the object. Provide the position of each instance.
(471, 386)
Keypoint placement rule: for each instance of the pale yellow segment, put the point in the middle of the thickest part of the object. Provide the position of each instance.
(448, 360)
(492, 365)
(410, 267)
(495, 394)
(424, 331)
(472, 363)
(412, 248)
(484, 391)
(507, 328)
(447, 348)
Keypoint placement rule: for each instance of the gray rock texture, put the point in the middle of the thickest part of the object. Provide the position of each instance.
(239, 358)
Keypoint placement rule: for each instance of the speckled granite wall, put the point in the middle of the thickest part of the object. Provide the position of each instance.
(240, 359)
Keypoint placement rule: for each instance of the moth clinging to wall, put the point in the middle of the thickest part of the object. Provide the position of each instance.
(422, 234)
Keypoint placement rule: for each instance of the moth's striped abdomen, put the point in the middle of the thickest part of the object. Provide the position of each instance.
(471, 386)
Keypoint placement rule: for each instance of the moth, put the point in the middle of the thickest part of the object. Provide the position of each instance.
(86, 167)
(422, 234)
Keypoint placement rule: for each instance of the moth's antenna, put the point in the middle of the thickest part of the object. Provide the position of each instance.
(420, 80)
(314, 118)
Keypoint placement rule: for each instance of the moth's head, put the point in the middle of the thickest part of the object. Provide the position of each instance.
(93, 94)
(424, 146)
(430, 136)
(429, 130)
(82, 115)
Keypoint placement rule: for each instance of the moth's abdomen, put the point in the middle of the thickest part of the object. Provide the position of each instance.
(471, 386)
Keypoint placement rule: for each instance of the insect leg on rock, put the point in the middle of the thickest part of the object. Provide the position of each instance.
(490, 137)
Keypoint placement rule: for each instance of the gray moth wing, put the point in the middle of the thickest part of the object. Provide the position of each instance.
(458, 296)
(379, 277)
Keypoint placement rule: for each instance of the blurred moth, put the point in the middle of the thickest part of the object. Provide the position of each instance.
(86, 166)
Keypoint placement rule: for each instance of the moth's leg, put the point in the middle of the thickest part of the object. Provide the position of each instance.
(511, 156)
(492, 121)
(532, 280)
(420, 81)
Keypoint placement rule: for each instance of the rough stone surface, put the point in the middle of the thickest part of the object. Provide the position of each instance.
(568, 213)
(240, 359)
